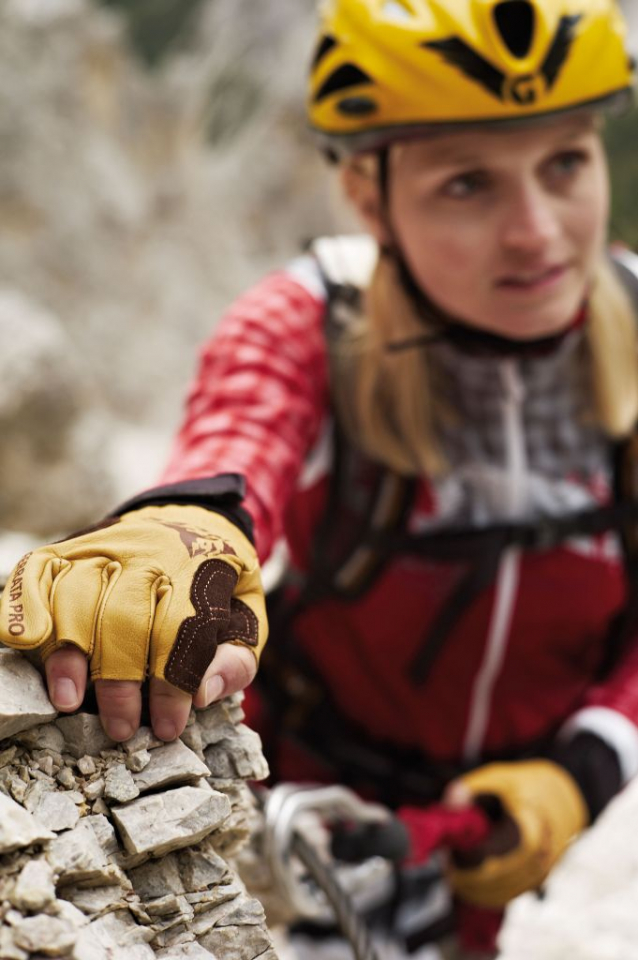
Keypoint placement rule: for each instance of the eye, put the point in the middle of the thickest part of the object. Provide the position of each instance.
(466, 185)
(568, 163)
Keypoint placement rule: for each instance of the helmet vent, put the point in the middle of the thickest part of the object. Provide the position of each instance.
(342, 79)
(326, 44)
(516, 21)
(357, 106)
(397, 11)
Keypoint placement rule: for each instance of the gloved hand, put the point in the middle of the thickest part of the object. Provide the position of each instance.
(150, 593)
(536, 809)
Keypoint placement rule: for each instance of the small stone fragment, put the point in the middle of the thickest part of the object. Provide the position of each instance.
(138, 761)
(6, 756)
(66, 779)
(35, 888)
(95, 789)
(46, 935)
(115, 936)
(186, 951)
(239, 943)
(57, 811)
(8, 948)
(172, 763)
(77, 856)
(45, 736)
(119, 784)
(87, 766)
(24, 702)
(92, 900)
(19, 828)
(104, 832)
(238, 755)
(144, 739)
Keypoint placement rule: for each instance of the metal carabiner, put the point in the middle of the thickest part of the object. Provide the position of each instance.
(285, 809)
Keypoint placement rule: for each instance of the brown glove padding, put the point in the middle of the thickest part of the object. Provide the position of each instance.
(152, 592)
(543, 810)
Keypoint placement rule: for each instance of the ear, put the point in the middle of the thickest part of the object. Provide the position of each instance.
(360, 183)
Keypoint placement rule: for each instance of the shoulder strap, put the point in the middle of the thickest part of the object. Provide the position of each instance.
(366, 501)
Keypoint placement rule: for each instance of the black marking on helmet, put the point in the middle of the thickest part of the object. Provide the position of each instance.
(457, 53)
(325, 45)
(346, 76)
(560, 48)
(516, 20)
(521, 90)
(357, 106)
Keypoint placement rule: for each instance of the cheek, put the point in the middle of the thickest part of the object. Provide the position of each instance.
(440, 255)
(589, 218)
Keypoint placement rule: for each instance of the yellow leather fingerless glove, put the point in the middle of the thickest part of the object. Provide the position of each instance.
(152, 592)
(544, 811)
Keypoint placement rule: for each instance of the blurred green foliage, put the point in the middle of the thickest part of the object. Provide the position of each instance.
(622, 140)
(157, 25)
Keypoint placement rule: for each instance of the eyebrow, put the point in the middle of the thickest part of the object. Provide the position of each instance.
(446, 156)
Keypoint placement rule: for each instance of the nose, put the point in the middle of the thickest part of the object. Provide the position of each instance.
(530, 220)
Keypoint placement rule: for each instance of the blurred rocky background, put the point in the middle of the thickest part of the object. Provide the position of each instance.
(154, 161)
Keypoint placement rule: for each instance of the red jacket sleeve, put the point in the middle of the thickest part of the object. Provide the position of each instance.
(258, 401)
(620, 690)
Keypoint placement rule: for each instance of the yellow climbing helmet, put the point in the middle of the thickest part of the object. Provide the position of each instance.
(386, 69)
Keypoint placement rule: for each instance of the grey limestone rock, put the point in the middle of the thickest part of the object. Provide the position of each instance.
(19, 828)
(119, 784)
(24, 702)
(169, 764)
(186, 951)
(119, 878)
(161, 823)
(57, 811)
(239, 754)
(50, 936)
(35, 887)
(83, 734)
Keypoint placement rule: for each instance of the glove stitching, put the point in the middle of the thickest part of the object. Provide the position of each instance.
(247, 631)
(194, 629)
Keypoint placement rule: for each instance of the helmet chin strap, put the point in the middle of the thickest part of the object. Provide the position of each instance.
(441, 325)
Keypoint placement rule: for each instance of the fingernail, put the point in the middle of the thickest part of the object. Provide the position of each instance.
(65, 693)
(165, 730)
(214, 688)
(119, 729)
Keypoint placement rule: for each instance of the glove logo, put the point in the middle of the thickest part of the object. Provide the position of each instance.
(523, 91)
(199, 542)
(16, 607)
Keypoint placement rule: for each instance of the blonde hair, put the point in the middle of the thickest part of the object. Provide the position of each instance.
(387, 402)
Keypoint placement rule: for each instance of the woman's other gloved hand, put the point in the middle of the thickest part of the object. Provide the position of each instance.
(536, 809)
(151, 593)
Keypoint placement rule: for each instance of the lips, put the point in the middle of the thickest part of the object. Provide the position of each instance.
(533, 279)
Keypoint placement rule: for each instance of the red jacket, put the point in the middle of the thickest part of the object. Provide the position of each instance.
(522, 662)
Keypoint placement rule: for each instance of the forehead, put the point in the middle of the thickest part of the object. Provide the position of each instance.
(492, 145)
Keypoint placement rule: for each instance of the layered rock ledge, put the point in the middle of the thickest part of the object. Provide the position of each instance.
(123, 851)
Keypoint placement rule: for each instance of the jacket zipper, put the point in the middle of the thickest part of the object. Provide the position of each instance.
(508, 575)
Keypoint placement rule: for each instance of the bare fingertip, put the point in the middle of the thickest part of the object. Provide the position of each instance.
(119, 730)
(214, 688)
(64, 694)
(165, 730)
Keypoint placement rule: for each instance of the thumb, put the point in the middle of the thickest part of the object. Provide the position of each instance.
(458, 796)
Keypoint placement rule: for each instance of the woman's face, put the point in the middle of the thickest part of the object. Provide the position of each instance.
(502, 229)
